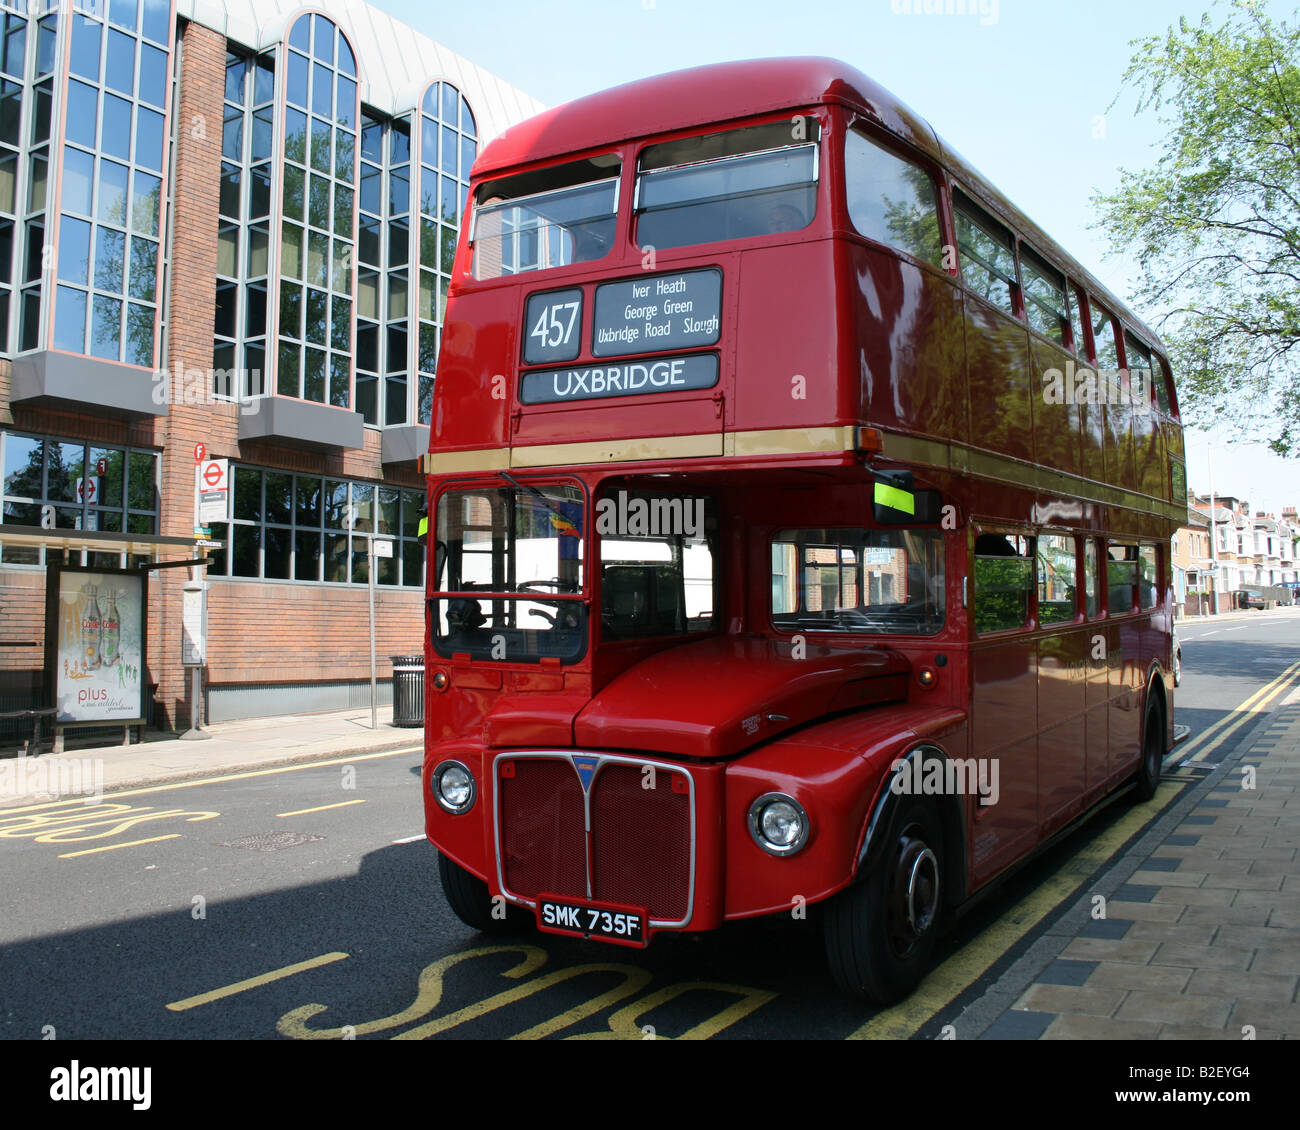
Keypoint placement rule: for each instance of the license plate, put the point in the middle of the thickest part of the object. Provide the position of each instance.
(607, 922)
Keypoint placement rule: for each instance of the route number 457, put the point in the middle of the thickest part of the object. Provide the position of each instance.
(555, 325)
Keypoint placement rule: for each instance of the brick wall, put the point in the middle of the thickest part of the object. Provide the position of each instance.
(274, 633)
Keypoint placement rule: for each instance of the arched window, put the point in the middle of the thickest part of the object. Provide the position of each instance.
(448, 146)
(317, 232)
(110, 204)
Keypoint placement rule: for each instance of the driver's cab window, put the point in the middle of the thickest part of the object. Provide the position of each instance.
(658, 564)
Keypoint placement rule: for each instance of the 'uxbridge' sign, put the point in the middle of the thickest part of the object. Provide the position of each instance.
(630, 378)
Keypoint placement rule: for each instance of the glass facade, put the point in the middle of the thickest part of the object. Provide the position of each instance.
(114, 153)
(448, 145)
(294, 527)
(69, 484)
(337, 222)
(243, 241)
(383, 274)
(314, 359)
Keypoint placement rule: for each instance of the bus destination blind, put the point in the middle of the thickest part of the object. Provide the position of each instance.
(660, 312)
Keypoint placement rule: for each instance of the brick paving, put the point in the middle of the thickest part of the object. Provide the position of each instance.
(1201, 941)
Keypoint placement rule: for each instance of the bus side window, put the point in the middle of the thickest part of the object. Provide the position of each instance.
(1139, 369)
(1080, 346)
(988, 265)
(1091, 570)
(1162, 382)
(1121, 577)
(891, 200)
(1004, 581)
(1103, 339)
(1045, 305)
(1148, 577)
(1057, 573)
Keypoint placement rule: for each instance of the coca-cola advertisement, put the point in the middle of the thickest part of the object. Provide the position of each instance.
(99, 646)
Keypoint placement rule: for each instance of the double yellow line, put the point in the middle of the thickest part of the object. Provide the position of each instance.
(1213, 738)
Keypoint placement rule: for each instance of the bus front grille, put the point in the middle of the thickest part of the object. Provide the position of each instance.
(641, 837)
(543, 844)
(641, 832)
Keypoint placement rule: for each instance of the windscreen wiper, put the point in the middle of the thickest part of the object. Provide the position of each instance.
(537, 494)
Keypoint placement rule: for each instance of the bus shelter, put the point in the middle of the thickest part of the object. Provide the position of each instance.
(84, 641)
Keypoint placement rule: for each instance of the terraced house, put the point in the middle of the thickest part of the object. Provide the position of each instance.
(228, 225)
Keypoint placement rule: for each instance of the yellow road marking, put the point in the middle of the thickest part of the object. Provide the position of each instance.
(965, 967)
(1209, 740)
(254, 982)
(241, 776)
(114, 847)
(322, 808)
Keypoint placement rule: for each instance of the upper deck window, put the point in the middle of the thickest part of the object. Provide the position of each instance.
(1139, 368)
(550, 218)
(1103, 340)
(761, 180)
(890, 200)
(1045, 304)
(988, 264)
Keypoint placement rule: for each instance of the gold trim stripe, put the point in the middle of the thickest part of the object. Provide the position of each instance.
(955, 457)
(964, 460)
(618, 451)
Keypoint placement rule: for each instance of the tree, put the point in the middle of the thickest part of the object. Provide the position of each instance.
(1215, 224)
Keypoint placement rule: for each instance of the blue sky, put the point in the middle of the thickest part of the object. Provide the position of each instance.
(1024, 89)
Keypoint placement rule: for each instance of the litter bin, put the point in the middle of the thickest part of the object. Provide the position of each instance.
(408, 690)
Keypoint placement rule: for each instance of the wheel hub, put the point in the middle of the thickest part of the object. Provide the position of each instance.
(914, 901)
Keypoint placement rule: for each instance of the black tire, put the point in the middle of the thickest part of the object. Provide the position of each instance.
(1153, 751)
(878, 940)
(468, 897)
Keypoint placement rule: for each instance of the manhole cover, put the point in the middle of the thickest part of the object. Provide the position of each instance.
(272, 841)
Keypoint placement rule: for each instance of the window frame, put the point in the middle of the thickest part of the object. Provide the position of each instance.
(965, 206)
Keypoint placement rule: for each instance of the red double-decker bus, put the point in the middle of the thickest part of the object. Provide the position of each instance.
(800, 525)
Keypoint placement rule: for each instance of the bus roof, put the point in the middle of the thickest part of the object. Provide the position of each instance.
(675, 101)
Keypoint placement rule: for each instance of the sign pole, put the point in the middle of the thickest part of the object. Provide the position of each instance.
(194, 644)
(370, 576)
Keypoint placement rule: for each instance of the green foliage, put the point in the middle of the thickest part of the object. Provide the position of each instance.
(1215, 224)
(1002, 587)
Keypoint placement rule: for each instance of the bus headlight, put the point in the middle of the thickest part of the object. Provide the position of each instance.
(452, 786)
(778, 824)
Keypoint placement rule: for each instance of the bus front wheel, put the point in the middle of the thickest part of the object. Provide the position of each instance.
(468, 897)
(880, 932)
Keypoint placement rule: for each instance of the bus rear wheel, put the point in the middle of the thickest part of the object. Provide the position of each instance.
(1153, 751)
(468, 897)
(880, 933)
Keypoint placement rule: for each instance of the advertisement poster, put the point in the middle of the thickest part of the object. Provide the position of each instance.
(99, 646)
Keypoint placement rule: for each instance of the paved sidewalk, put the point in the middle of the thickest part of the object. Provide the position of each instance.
(248, 744)
(1201, 933)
